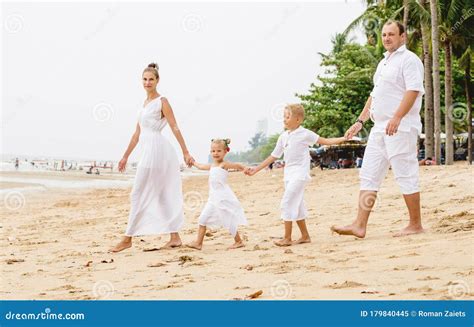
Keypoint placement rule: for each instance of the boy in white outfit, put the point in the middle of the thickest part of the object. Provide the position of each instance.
(293, 144)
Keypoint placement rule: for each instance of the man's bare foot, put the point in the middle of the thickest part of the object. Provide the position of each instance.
(349, 230)
(171, 245)
(236, 245)
(409, 231)
(194, 245)
(302, 241)
(122, 245)
(283, 242)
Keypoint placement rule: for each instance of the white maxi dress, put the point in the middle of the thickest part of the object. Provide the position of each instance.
(156, 198)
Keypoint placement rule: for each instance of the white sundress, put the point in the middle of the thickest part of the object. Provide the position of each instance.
(156, 198)
(222, 209)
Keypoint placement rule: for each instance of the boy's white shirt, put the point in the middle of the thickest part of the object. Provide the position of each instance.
(294, 146)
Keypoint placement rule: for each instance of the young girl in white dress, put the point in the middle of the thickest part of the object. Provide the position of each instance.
(156, 198)
(222, 209)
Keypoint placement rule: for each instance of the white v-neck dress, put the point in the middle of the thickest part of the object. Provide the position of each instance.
(156, 197)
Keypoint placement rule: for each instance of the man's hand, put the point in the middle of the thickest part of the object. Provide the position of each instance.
(353, 130)
(392, 126)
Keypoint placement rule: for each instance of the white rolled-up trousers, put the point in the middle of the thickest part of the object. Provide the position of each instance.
(398, 151)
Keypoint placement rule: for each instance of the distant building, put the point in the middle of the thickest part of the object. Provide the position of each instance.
(262, 126)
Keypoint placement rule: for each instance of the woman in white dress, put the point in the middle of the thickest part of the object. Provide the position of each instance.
(156, 198)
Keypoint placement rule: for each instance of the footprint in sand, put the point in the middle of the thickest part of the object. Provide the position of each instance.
(345, 284)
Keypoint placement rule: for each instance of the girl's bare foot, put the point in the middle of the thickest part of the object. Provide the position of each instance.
(172, 244)
(194, 245)
(283, 242)
(302, 240)
(236, 245)
(122, 245)
(409, 231)
(349, 230)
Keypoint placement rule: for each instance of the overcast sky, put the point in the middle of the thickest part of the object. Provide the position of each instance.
(71, 72)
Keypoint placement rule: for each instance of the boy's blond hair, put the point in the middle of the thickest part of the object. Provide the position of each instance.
(296, 109)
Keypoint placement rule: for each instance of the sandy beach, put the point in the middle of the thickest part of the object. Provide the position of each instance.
(54, 244)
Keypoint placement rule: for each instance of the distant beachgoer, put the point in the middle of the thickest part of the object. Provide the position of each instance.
(17, 163)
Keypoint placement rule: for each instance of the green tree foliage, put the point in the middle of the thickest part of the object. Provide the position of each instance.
(337, 98)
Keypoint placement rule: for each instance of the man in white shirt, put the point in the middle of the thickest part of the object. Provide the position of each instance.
(394, 106)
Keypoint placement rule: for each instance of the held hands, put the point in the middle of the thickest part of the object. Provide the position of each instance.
(249, 171)
(189, 160)
(353, 130)
(392, 126)
(122, 165)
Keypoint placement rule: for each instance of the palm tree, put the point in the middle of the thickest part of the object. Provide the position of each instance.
(436, 81)
(427, 62)
(454, 32)
(372, 19)
(465, 62)
(406, 8)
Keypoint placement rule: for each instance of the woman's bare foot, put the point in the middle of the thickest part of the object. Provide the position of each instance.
(122, 245)
(409, 230)
(349, 230)
(194, 245)
(236, 245)
(283, 242)
(172, 244)
(302, 240)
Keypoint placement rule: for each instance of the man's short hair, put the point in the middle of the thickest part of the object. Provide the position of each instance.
(401, 28)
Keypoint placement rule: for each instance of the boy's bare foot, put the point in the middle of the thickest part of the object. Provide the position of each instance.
(302, 241)
(349, 230)
(236, 245)
(283, 242)
(194, 245)
(409, 231)
(122, 245)
(172, 244)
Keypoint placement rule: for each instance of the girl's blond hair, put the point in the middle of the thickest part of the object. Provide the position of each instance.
(224, 142)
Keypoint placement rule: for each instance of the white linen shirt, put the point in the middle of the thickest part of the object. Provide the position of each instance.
(294, 146)
(397, 73)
